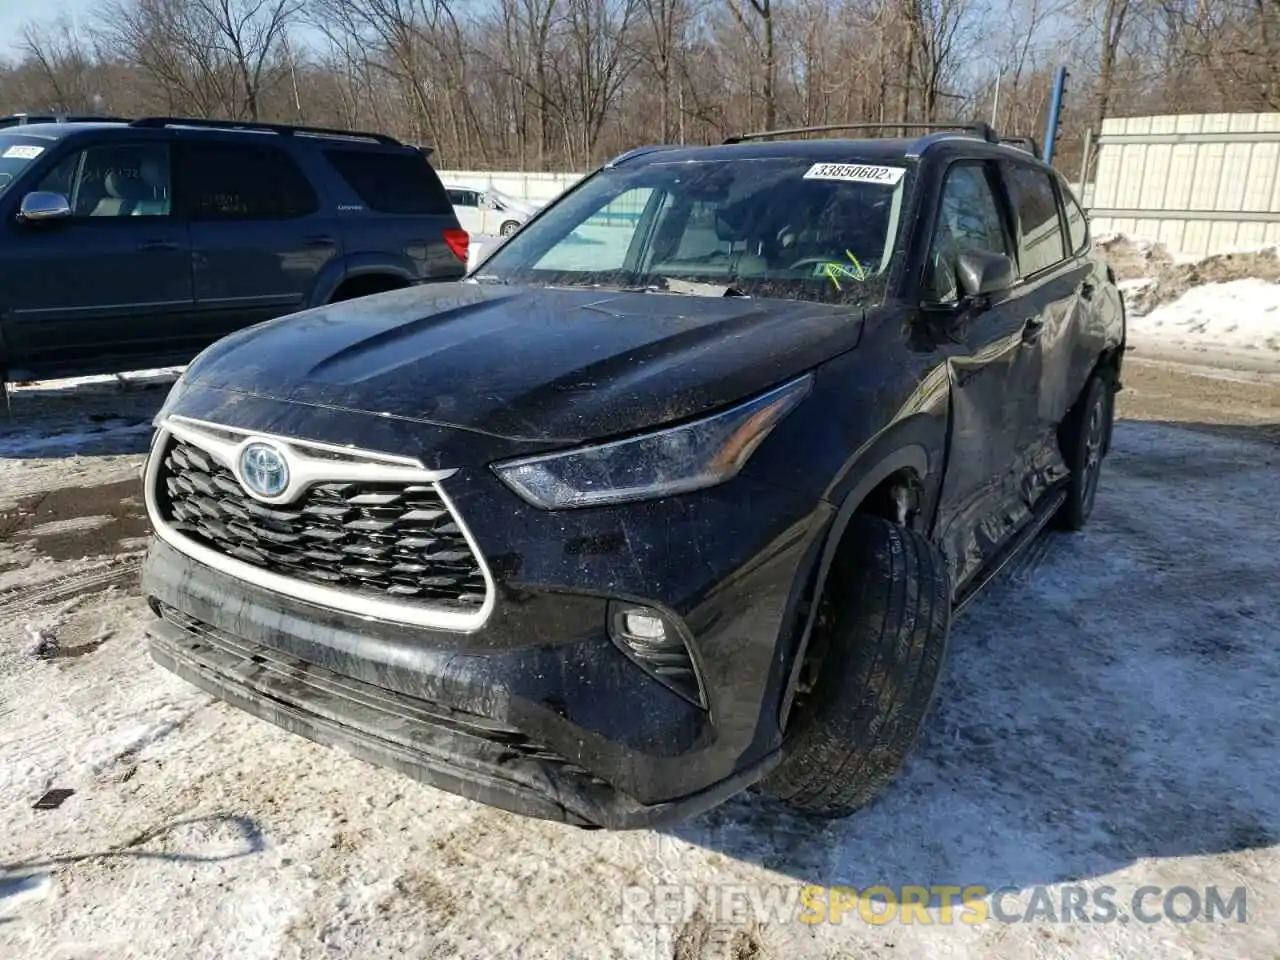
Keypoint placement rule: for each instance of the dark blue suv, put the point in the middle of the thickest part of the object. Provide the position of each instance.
(129, 244)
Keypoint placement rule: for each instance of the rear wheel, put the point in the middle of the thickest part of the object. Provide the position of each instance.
(1083, 438)
(884, 626)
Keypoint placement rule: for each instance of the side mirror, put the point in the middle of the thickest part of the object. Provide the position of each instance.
(981, 273)
(42, 205)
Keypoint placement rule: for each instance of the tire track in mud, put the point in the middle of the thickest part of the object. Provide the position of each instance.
(18, 600)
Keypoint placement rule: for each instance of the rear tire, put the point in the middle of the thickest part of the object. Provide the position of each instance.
(1083, 439)
(888, 615)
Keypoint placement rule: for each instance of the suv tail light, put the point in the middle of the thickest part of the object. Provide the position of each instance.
(459, 242)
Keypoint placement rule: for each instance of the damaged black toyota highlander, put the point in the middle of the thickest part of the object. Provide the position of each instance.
(677, 493)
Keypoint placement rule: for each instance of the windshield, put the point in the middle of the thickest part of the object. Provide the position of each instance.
(15, 154)
(778, 227)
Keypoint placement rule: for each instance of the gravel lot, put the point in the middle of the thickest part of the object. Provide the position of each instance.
(1107, 720)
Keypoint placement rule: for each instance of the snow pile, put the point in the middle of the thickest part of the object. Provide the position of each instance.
(1240, 315)
(1224, 308)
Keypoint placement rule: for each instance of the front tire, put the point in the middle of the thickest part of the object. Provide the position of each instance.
(1083, 440)
(888, 600)
(508, 228)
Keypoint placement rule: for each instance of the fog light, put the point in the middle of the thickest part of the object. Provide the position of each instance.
(646, 628)
(658, 647)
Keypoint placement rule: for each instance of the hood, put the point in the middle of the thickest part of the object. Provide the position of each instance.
(530, 363)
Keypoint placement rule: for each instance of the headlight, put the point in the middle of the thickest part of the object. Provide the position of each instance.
(688, 457)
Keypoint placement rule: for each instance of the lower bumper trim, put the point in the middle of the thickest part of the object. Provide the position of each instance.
(468, 755)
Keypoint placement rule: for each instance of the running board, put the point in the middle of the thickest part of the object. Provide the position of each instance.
(1047, 508)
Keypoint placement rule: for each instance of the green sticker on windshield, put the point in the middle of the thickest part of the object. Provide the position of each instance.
(850, 271)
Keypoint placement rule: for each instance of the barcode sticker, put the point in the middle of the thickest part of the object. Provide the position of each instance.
(23, 152)
(855, 173)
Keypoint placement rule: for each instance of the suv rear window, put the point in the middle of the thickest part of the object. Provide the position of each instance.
(392, 182)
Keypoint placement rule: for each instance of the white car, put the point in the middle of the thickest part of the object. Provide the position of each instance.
(488, 213)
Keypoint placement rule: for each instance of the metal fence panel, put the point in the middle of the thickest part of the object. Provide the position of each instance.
(1198, 183)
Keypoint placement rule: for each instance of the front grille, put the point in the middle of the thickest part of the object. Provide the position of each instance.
(392, 541)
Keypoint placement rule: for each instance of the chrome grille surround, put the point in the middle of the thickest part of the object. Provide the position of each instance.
(317, 474)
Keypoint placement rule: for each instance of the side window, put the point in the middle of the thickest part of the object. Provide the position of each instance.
(1077, 224)
(242, 181)
(968, 219)
(400, 183)
(1035, 205)
(114, 180)
(601, 243)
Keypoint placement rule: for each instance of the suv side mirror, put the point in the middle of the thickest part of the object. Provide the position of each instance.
(42, 205)
(981, 273)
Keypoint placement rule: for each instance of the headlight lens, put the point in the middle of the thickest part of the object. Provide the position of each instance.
(688, 457)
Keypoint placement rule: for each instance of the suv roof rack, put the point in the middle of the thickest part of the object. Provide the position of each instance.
(1024, 143)
(21, 119)
(284, 129)
(978, 129)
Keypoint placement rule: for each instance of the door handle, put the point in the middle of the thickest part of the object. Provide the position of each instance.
(1086, 290)
(156, 245)
(320, 240)
(1032, 329)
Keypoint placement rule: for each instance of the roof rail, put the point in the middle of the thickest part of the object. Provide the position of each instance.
(284, 129)
(21, 119)
(1028, 144)
(634, 152)
(978, 129)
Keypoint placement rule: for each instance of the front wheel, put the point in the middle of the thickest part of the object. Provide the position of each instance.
(508, 228)
(885, 625)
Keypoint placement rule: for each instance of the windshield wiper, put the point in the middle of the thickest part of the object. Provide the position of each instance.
(491, 278)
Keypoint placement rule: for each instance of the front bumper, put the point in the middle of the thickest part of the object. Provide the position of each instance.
(463, 753)
(536, 709)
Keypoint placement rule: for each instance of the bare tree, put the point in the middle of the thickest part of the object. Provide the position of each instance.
(763, 11)
(64, 62)
(552, 84)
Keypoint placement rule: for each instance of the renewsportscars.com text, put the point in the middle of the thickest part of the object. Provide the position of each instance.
(937, 904)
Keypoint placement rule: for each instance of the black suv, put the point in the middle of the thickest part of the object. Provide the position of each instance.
(133, 244)
(677, 492)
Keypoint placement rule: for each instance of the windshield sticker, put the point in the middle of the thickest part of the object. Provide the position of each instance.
(855, 173)
(22, 152)
(834, 269)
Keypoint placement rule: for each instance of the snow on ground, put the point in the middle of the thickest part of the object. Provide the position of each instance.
(83, 415)
(1240, 317)
(1108, 718)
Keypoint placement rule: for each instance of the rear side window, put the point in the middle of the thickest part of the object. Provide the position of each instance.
(241, 181)
(1077, 224)
(1035, 205)
(392, 182)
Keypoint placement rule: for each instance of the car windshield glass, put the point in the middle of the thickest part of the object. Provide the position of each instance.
(776, 227)
(15, 154)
